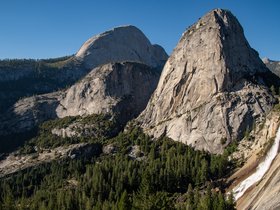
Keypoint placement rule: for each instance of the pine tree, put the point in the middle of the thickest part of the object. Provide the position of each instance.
(43, 206)
(123, 203)
(190, 198)
(221, 202)
(8, 201)
(196, 198)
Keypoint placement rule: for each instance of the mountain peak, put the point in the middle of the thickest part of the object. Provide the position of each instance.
(126, 27)
(205, 95)
(266, 60)
(220, 13)
(124, 43)
(218, 16)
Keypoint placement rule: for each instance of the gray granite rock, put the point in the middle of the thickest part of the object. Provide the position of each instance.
(273, 66)
(125, 43)
(123, 69)
(119, 89)
(211, 89)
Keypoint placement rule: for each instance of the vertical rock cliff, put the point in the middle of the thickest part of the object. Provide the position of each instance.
(212, 88)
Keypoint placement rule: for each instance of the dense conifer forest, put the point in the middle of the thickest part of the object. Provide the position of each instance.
(136, 173)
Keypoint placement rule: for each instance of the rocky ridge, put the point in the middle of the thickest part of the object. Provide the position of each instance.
(122, 68)
(122, 89)
(119, 89)
(26, 77)
(16, 162)
(212, 87)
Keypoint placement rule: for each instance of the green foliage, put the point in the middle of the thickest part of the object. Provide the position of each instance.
(272, 89)
(167, 171)
(231, 148)
(247, 133)
(270, 79)
(101, 128)
(277, 107)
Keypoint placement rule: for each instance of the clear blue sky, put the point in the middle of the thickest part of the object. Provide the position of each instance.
(52, 28)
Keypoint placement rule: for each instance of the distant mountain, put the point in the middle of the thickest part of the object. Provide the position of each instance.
(118, 71)
(125, 43)
(274, 66)
(23, 78)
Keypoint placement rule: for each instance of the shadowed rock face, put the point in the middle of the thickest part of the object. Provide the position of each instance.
(125, 43)
(29, 112)
(119, 89)
(212, 87)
